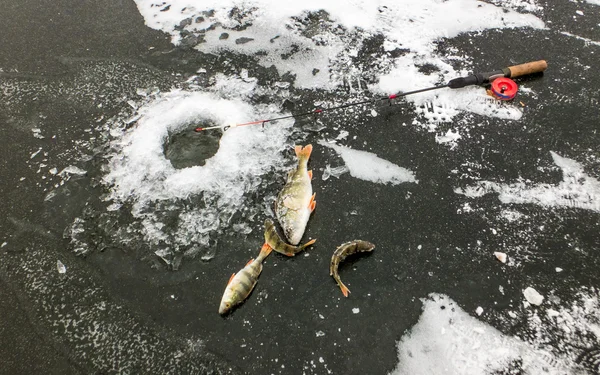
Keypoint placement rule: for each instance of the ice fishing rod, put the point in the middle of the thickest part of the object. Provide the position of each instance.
(477, 79)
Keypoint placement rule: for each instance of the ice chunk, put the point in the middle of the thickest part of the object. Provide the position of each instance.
(479, 310)
(500, 256)
(209, 254)
(242, 228)
(114, 207)
(35, 153)
(558, 269)
(320, 333)
(355, 310)
(367, 166)
(335, 172)
(449, 137)
(3, 244)
(72, 170)
(165, 254)
(61, 267)
(532, 296)
(37, 133)
(343, 135)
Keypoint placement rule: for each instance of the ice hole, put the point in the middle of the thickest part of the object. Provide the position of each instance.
(188, 148)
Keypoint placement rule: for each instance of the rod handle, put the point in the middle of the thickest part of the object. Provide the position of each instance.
(527, 68)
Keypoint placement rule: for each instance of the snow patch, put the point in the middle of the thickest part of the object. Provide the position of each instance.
(369, 167)
(447, 340)
(577, 190)
(316, 41)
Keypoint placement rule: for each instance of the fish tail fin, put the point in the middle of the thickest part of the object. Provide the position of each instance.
(303, 153)
(264, 252)
(308, 243)
(344, 288)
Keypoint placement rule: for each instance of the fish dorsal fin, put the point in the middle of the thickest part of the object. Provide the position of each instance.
(310, 174)
(231, 278)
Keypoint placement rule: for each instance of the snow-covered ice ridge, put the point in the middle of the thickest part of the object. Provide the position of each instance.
(318, 49)
(576, 190)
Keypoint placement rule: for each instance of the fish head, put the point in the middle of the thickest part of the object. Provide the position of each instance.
(294, 233)
(227, 302)
(365, 246)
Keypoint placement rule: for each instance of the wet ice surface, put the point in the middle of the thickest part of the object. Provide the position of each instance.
(166, 229)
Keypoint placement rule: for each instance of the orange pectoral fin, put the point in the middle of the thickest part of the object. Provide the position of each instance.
(250, 261)
(310, 174)
(231, 278)
(312, 203)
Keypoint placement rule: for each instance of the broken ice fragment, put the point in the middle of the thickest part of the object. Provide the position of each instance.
(61, 267)
(501, 256)
(37, 133)
(320, 333)
(242, 228)
(335, 172)
(356, 310)
(343, 135)
(558, 269)
(532, 296)
(35, 153)
(72, 170)
(209, 254)
(479, 310)
(165, 255)
(114, 207)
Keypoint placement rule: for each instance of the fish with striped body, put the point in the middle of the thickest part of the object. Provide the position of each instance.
(274, 241)
(343, 251)
(241, 284)
(296, 201)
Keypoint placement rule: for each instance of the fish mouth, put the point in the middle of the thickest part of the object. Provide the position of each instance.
(223, 309)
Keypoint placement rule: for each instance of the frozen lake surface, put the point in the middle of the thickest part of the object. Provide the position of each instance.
(123, 224)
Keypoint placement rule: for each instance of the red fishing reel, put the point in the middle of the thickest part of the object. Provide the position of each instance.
(504, 88)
